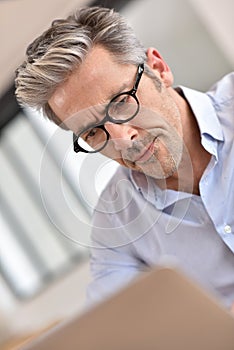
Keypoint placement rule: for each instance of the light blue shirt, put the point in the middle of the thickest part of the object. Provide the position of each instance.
(136, 224)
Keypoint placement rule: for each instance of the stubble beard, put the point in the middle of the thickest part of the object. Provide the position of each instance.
(162, 164)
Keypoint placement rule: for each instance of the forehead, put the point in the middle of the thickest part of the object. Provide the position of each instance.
(98, 77)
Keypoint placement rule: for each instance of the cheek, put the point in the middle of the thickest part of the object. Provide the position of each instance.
(148, 119)
(164, 118)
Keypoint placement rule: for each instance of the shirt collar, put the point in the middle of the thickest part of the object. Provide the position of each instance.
(204, 112)
(147, 187)
(206, 116)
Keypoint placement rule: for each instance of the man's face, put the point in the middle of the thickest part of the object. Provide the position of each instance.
(151, 142)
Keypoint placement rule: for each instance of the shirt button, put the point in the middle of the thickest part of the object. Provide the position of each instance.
(227, 229)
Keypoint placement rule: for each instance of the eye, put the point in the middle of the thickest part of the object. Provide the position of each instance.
(123, 107)
(91, 133)
(121, 102)
(118, 106)
(95, 137)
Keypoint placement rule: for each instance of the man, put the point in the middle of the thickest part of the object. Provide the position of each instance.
(173, 194)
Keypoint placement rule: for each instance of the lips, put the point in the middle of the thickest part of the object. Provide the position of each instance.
(146, 154)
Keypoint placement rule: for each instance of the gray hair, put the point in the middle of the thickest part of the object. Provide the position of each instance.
(54, 55)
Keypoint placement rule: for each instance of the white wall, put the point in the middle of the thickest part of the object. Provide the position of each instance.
(182, 35)
(20, 22)
(217, 17)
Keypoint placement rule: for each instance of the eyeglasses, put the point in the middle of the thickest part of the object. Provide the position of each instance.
(121, 109)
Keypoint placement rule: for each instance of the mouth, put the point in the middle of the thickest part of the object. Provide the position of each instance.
(146, 154)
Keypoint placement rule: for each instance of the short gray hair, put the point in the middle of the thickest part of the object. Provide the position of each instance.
(54, 55)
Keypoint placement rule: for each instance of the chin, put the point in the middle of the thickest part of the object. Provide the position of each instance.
(159, 170)
(160, 175)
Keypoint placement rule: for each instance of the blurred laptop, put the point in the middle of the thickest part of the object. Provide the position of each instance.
(161, 310)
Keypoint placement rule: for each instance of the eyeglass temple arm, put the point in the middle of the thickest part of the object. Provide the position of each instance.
(139, 74)
(74, 137)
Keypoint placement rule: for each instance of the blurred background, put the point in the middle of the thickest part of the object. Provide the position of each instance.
(47, 193)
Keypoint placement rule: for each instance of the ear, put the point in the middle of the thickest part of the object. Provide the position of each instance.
(156, 62)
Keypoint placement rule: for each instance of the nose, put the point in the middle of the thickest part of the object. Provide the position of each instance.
(122, 135)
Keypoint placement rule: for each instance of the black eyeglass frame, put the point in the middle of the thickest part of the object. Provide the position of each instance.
(132, 93)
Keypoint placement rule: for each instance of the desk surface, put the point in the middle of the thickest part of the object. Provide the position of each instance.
(162, 310)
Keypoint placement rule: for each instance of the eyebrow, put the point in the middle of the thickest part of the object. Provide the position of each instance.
(121, 90)
(95, 121)
(102, 111)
